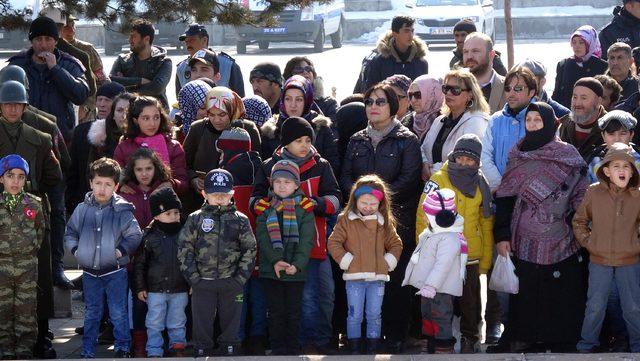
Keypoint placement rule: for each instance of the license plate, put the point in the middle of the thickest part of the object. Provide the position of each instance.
(274, 30)
(442, 31)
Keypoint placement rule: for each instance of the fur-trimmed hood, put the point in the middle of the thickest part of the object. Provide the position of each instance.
(385, 47)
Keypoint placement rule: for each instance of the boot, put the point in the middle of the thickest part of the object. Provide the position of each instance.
(493, 334)
(468, 346)
(354, 346)
(258, 345)
(444, 346)
(106, 336)
(444, 350)
(139, 339)
(372, 346)
(61, 280)
(177, 350)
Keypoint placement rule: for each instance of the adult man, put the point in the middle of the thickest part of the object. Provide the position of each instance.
(463, 28)
(266, 81)
(397, 52)
(56, 79)
(612, 91)
(146, 69)
(540, 71)
(620, 61)
(624, 27)
(579, 128)
(45, 173)
(478, 55)
(196, 38)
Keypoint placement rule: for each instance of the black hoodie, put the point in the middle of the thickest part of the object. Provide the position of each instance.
(624, 27)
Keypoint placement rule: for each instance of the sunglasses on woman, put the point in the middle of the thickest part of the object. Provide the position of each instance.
(415, 95)
(379, 102)
(455, 90)
(302, 69)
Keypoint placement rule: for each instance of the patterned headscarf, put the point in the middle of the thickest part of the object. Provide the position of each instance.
(590, 36)
(431, 100)
(301, 83)
(257, 109)
(191, 97)
(226, 100)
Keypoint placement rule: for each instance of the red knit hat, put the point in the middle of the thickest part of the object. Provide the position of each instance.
(234, 139)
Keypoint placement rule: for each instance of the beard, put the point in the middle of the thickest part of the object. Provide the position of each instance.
(479, 69)
(583, 119)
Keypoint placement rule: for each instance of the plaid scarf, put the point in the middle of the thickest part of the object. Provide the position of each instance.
(11, 201)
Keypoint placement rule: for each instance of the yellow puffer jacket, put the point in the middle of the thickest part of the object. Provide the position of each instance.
(478, 230)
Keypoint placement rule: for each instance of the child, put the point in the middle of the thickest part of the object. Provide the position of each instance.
(437, 268)
(606, 224)
(461, 173)
(285, 232)
(101, 233)
(217, 252)
(20, 238)
(617, 126)
(366, 246)
(158, 280)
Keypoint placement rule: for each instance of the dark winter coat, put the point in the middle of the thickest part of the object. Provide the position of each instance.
(568, 72)
(84, 58)
(558, 109)
(157, 268)
(48, 126)
(55, 90)
(624, 27)
(629, 86)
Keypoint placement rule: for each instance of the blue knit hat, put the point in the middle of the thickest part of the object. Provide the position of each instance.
(13, 161)
(256, 109)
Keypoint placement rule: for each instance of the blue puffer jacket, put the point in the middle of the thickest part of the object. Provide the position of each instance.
(559, 109)
(55, 90)
(95, 231)
(503, 132)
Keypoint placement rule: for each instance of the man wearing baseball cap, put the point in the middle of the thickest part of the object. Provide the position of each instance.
(624, 27)
(196, 38)
(205, 64)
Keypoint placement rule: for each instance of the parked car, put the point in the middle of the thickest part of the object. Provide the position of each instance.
(435, 19)
(311, 24)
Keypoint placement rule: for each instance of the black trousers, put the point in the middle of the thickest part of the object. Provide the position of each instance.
(470, 304)
(284, 304)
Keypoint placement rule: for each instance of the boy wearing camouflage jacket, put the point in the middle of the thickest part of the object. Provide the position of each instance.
(21, 231)
(217, 254)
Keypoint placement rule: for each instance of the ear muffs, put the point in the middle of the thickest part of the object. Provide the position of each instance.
(444, 218)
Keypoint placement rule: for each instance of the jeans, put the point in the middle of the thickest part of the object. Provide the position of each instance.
(115, 287)
(165, 310)
(627, 278)
(254, 308)
(317, 303)
(359, 294)
(617, 327)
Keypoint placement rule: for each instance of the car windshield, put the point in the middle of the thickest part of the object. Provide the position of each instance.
(445, 2)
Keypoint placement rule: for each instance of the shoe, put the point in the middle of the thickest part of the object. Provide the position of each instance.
(79, 330)
(61, 280)
(500, 347)
(372, 346)
(139, 343)
(443, 350)
(619, 344)
(258, 345)
(355, 345)
(122, 354)
(8, 357)
(493, 334)
(176, 350)
(44, 350)
(469, 346)
(310, 349)
(227, 350)
(326, 349)
(395, 347)
(106, 336)
(50, 334)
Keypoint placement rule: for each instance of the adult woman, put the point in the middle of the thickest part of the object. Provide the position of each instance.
(426, 98)
(388, 149)
(543, 185)
(464, 111)
(148, 126)
(400, 84)
(192, 100)
(302, 65)
(585, 62)
(297, 101)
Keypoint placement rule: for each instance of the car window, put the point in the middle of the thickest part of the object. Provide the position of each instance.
(445, 2)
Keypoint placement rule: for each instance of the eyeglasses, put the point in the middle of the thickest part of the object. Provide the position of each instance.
(415, 95)
(455, 90)
(379, 102)
(302, 69)
(517, 89)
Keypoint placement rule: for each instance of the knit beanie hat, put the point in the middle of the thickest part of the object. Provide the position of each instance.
(256, 110)
(466, 25)
(234, 138)
(294, 128)
(399, 81)
(267, 71)
(440, 207)
(110, 90)
(468, 145)
(162, 200)
(285, 169)
(591, 83)
(13, 161)
(43, 26)
(537, 68)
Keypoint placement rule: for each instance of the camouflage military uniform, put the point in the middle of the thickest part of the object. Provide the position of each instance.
(217, 253)
(21, 234)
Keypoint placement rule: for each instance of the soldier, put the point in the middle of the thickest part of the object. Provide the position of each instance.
(23, 223)
(217, 264)
(36, 148)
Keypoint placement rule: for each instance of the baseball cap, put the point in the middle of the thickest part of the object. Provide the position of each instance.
(218, 181)
(194, 29)
(624, 118)
(205, 56)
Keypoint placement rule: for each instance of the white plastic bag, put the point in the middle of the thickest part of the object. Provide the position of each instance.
(503, 277)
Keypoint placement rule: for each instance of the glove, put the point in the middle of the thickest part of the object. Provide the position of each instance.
(260, 206)
(427, 292)
(320, 205)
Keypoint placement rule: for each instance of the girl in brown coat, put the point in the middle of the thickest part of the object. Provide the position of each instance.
(366, 246)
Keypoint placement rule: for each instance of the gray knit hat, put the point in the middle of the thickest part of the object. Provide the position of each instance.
(468, 145)
(537, 68)
(235, 139)
(625, 119)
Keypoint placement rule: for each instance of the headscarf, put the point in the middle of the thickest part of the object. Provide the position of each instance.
(431, 100)
(590, 36)
(257, 109)
(192, 97)
(536, 139)
(301, 83)
(226, 100)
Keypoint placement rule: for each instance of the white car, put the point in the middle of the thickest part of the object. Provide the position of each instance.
(435, 19)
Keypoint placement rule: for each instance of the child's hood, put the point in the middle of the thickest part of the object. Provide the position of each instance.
(619, 151)
(118, 203)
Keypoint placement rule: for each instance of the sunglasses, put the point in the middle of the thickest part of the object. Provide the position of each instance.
(302, 69)
(401, 96)
(415, 95)
(379, 102)
(517, 88)
(455, 90)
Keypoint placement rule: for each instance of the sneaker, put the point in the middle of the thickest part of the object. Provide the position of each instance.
(468, 346)
(122, 354)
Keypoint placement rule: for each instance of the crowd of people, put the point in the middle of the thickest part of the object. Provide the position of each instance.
(289, 222)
